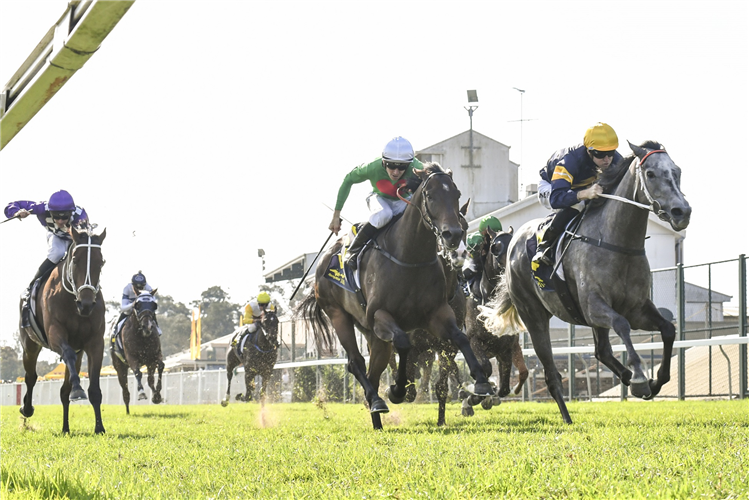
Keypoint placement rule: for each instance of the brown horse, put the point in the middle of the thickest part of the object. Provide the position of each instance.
(405, 288)
(70, 313)
(505, 348)
(259, 356)
(141, 346)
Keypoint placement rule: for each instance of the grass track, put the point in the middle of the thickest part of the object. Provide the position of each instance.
(519, 450)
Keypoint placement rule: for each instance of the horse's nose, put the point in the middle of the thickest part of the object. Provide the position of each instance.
(680, 216)
(452, 237)
(84, 309)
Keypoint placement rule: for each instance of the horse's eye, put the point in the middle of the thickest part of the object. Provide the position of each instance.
(650, 174)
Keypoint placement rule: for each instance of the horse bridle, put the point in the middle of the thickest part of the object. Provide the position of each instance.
(142, 298)
(654, 206)
(427, 217)
(68, 271)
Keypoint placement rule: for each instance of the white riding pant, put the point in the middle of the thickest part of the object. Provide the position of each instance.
(56, 247)
(382, 210)
(544, 197)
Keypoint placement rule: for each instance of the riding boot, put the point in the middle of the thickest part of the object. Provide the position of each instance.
(362, 237)
(545, 251)
(43, 270)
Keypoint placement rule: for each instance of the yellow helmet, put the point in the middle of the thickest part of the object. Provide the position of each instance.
(263, 298)
(601, 137)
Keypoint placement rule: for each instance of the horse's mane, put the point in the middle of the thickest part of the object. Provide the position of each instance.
(430, 167)
(612, 176)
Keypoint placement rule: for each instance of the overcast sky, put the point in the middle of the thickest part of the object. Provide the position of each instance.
(200, 132)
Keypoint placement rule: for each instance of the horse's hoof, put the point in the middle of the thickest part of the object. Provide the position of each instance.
(78, 395)
(654, 389)
(99, 430)
(378, 406)
(224, 403)
(156, 399)
(483, 389)
(392, 395)
(142, 395)
(487, 403)
(503, 392)
(640, 389)
(467, 411)
(27, 414)
(411, 393)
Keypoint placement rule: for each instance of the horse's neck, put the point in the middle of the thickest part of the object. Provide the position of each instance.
(621, 223)
(410, 240)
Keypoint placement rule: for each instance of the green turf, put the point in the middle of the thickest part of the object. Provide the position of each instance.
(517, 450)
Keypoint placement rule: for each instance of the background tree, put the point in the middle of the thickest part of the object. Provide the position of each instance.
(175, 321)
(11, 366)
(219, 315)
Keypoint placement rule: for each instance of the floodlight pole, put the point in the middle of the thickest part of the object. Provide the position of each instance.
(520, 167)
(472, 97)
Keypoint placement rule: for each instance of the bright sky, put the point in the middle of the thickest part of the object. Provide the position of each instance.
(200, 132)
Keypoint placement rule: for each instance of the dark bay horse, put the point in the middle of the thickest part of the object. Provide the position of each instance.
(70, 310)
(142, 347)
(609, 279)
(258, 358)
(405, 289)
(505, 348)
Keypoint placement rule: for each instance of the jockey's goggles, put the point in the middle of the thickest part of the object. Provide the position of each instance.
(61, 215)
(601, 154)
(396, 166)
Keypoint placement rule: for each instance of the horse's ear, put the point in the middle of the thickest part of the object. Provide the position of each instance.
(449, 172)
(153, 292)
(640, 152)
(492, 233)
(103, 235)
(464, 208)
(511, 230)
(419, 173)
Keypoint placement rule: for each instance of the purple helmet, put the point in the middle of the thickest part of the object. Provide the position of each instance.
(61, 201)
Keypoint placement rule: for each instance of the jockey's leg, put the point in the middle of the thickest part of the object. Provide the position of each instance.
(545, 251)
(362, 237)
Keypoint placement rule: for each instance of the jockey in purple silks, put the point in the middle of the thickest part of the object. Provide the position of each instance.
(57, 215)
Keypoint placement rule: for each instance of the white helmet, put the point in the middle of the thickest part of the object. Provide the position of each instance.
(398, 150)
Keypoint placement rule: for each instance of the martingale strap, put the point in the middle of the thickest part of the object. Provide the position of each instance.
(400, 263)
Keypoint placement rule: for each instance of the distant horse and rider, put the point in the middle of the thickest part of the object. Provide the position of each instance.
(606, 276)
(402, 288)
(256, 350)
(137, 345)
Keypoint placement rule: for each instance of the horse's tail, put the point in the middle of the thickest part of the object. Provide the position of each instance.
(500, 316)
(314, 317)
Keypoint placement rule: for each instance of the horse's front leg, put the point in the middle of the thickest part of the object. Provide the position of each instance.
(66, 392)
(31, 352)
(72, 364)
(600, 313)
(156, 399)
(249, 381)
(443, 325)
(344, 328)
(385, 327)
(651, 320)
(605, 355)
(519, 361)
(441, 387)
(139, 381)
(95, 353)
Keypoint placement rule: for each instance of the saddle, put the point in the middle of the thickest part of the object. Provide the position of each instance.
(544, 275)
(116, 345)
(28, 315)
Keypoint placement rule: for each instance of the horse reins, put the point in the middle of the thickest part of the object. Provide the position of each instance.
(68, 271)
(640, 182)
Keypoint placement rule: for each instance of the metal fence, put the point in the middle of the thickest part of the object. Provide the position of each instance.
(709, 307)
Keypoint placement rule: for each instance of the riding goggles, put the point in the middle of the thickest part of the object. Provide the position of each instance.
(61, 215)
(601, 154)
(395, 165)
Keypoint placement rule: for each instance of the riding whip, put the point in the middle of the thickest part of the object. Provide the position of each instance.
(10, 218)
(310, 266)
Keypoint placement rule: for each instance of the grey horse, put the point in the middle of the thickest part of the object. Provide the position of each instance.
(609, 279)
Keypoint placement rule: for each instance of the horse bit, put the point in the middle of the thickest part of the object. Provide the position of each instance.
(68, 269)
